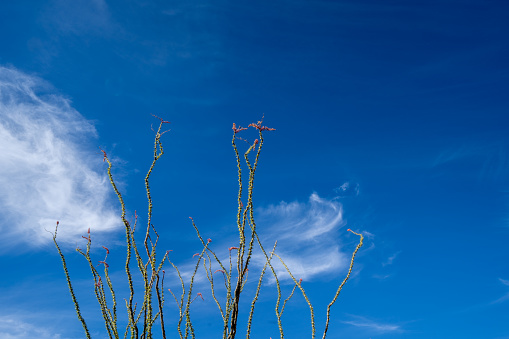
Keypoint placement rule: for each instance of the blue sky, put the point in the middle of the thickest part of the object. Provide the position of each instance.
(391, 119)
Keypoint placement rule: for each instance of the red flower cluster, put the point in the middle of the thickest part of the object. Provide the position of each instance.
(259, 126)
(236, 130)
(162, 121)
(104, 263)
(88, 238)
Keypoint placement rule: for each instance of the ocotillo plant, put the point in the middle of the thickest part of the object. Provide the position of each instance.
(141, 319)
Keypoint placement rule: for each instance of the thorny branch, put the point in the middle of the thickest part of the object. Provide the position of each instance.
(150, 268)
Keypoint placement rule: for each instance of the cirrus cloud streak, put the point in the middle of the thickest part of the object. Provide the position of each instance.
(46, 173)
(307, 235)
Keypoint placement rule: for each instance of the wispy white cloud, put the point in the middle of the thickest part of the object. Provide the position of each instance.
(347, 189)
(368, 235)
(307, 235)
(308, 240)
(375, 326)
(505, 297)
(390, 260)
(79, 17)
(11, 327)
(451, 155)
(381, 277)
(46, 174)
(489, 162)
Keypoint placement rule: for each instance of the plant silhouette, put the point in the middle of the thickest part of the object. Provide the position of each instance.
(142, 318)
